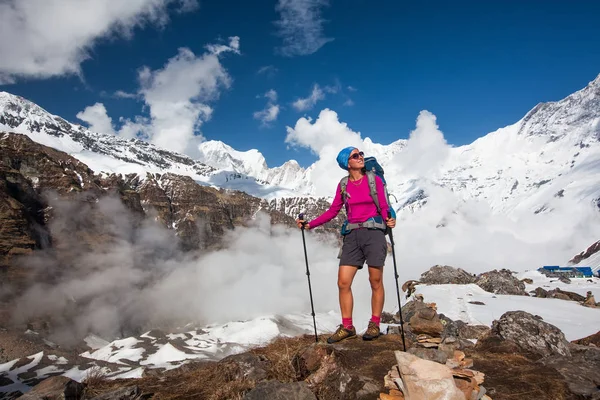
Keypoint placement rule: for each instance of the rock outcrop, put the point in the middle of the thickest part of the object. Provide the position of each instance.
(444, 274)
(501, 282)
(529, 333)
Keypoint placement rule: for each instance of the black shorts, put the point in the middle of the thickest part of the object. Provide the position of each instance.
(362, 245)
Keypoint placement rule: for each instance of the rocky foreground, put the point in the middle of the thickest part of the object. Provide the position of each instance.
(519, 356)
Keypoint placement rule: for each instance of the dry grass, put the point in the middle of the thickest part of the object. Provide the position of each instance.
(95, 380)
(212, 381)
(281, 353)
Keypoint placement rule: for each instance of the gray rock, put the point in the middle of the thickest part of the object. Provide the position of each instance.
(435, 355)
(580, 372)
(531, 334)
(443, 274)
(275, 390)
(501, 282)
(251, 366)
(473, 331)
(565, 295)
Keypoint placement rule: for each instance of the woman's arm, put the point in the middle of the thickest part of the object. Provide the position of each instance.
(331, 213)
(383, 204)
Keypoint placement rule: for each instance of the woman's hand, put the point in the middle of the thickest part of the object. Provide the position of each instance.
(301, 222)
(391, 222)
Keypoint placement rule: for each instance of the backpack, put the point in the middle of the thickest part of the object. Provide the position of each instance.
(373, 169)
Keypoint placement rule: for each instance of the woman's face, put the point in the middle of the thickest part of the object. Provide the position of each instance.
(356, 159)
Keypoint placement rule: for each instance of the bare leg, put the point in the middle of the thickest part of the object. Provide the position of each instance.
(377, 292)
(345, 277)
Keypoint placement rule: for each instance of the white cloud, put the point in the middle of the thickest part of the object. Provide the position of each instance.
(351, 89)
(301, 26)
(178, 95)
(349, 103)
(271, 110)
(268, 70)
(309, 102)
(426, 149)
(325, 137)
(41, 39)
(271, 95)
(268, 114)
(120, 94)
(97, 119)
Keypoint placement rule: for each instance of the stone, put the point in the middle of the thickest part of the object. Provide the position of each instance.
(565, 295)
(431, 327)
(275, 390)
(501, 282)
(435, 355)
(473, 331)
(426, 380)
(528, 281)
(369, 388)
(530, 334)
(444, 274)
(426, 313)
(251, 366)
(55, 388)
(541, 293)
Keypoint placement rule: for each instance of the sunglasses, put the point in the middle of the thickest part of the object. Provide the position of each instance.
(358, 155)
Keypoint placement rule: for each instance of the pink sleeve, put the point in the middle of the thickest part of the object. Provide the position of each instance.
(383, 204)
(331, 213)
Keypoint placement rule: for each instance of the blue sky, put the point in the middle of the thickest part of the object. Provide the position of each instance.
(476, 65)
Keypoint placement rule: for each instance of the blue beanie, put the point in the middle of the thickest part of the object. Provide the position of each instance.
(343, 156)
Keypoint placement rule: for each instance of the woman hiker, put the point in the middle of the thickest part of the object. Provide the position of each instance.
(361, 244)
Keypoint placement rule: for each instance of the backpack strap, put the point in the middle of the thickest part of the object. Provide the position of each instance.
(373, 188)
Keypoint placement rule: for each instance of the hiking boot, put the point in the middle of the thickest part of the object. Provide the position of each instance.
(341, 333)
(372, 332)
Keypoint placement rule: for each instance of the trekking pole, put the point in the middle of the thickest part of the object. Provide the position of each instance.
(397, 288)
(312, 307)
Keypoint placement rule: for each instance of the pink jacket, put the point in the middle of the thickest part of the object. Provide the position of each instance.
(360, 205)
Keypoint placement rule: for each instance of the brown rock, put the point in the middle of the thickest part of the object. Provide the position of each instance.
(592, 340)
(55, 388)
(430, 326)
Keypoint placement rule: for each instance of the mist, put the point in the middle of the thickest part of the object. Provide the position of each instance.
(123, 274)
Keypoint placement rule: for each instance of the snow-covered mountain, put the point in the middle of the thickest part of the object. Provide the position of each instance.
(551, 155)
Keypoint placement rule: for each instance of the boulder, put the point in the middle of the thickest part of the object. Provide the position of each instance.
(443, 274)
(541, 293)
(251, 366)
(55, 388)
(501, 282)
(426, 380)
(426, 321)
(565, 295)
(275, 390)
(530, 334)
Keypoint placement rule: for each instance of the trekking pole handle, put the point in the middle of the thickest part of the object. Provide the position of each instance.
(301, 217)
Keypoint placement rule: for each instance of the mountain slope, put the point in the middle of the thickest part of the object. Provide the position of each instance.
(548, 158)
